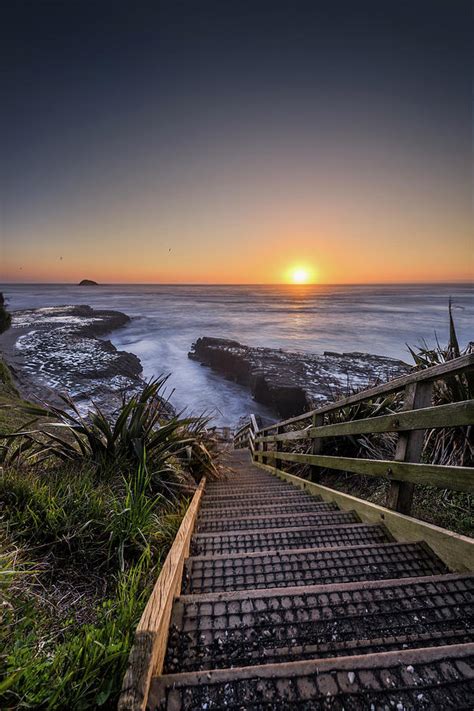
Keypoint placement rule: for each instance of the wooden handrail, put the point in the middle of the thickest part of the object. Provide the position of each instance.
(445, 477)
(457, 366)
(416, 416)
(455, 415)
(149, 647)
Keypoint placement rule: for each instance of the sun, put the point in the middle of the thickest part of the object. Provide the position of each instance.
(300, 275)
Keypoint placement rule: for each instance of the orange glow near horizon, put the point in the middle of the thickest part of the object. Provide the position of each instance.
(279, 246)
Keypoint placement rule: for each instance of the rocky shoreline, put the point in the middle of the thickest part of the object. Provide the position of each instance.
(59, 350)
(291, 382)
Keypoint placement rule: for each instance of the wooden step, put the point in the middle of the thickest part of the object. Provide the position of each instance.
(435, 679)
(276, 521)
(244, 511)
(241, 629)
(287, 538)
(271, 494)
(264, 496)
(244, 483)
(272, 491)
(242, 503)
(309, 566)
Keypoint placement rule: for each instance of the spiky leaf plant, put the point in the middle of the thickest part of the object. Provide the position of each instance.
(453, 445)
(113, 444)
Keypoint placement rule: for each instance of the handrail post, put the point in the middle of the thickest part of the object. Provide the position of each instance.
(316, 445)
(264, 449)
(409, 446)
(256, 448)
(278, 445)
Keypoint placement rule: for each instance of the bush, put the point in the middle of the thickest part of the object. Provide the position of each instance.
(5, 318)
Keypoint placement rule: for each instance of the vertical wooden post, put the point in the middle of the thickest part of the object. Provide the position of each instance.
(409, 447)
(254, 446)
(257, 449)
(318, 421)
(278, 446)
(264, 449)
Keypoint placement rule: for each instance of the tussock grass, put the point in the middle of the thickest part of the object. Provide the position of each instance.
(88, 510)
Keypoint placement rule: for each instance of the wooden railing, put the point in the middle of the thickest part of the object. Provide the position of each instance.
(416, 416)
(245, 436)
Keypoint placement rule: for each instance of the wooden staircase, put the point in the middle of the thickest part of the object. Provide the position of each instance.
(280, 593)
(289, 603)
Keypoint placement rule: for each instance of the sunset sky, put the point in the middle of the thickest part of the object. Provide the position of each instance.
(237, 142)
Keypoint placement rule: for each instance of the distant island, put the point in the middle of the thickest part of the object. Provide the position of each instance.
(88, 282)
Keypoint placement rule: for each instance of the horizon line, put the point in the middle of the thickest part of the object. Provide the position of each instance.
(466, 281)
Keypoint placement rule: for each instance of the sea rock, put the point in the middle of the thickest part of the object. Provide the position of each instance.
(88, 282)
(292, 382)
(58, 350)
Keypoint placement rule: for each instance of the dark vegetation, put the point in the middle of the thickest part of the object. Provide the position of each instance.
(89, 508)
(451, 446)
(5, 318)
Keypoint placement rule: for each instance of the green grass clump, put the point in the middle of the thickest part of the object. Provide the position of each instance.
(95, 550)
(12, 417)
(7, 386)
(82, 666)
(64, 509)
(93, 504)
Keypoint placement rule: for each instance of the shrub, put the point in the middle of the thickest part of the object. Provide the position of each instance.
(5, 318)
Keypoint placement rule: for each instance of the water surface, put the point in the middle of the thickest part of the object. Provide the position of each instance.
(167, 319)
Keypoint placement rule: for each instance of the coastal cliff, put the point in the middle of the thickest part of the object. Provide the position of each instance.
(291, 382)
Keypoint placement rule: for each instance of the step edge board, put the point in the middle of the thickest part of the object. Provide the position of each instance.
(294, 551)
(253, 593)
(360, 662)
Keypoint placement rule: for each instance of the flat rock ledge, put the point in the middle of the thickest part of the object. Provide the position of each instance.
(58, 350)
(291, 382)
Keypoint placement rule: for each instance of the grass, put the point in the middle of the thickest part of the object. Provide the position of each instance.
(88, 510)
(78, 666)
(92, 552)
(10, 419)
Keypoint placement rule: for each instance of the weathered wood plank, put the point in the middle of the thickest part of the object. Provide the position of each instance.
(455, 550)
(409, 446)
(453, 367)
(456, 478)
(316, 444)
(148, 652)
(253, 423)
(456, 415)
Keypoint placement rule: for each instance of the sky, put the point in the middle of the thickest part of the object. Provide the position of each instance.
(236, 142)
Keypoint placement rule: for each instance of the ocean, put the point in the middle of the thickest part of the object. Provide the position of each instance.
(167, 319)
